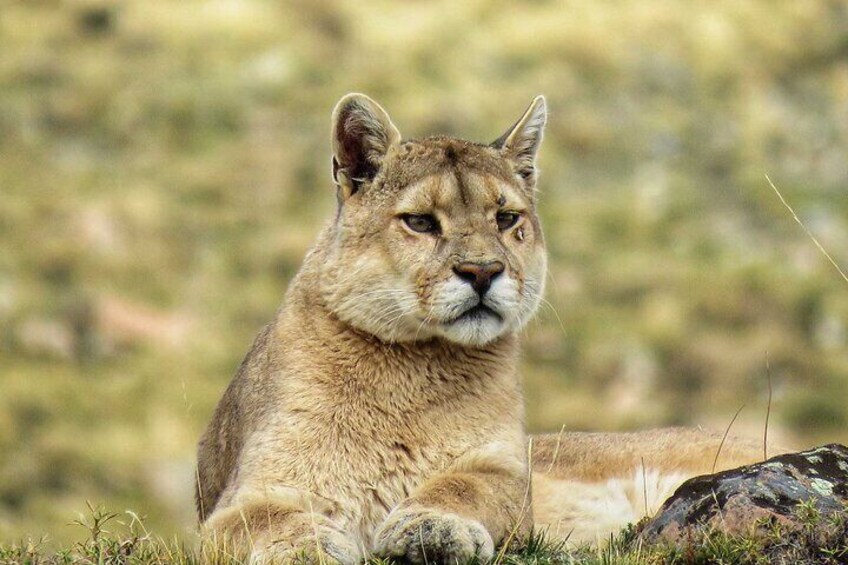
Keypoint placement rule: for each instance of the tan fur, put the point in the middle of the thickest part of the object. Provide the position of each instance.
(589, 485)
(371, 416)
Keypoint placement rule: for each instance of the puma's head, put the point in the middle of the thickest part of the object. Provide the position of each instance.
(434, 237)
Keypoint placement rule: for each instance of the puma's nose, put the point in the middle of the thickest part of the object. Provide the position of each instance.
(479, 275)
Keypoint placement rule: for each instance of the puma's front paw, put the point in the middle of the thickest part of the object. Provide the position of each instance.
(422, 535)
(320, 543)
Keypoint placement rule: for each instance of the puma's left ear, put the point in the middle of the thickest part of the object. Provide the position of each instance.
(521, 142)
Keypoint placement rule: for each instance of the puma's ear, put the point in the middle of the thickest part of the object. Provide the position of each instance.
(521, 142)
(362, 135)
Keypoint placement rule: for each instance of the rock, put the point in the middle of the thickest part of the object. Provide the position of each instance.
(740, 500)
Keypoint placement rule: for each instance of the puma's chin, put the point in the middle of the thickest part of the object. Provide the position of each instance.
(477, 326)
(474, 329)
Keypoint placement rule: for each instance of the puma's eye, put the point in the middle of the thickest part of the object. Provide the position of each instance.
(506, 220)
(421, 223)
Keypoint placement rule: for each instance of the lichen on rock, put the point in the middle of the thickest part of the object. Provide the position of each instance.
(768, 494)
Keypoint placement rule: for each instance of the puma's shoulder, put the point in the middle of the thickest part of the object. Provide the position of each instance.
(240, 406)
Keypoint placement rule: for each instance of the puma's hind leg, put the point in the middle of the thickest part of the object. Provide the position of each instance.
(587, 486)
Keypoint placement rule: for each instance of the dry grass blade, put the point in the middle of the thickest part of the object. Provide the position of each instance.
(768, 409)
(807, 231)
(644, 484)
(724, 437)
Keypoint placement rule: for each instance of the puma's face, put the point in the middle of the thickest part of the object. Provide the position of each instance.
(437, 237)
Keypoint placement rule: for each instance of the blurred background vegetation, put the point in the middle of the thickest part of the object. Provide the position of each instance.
(165, 164)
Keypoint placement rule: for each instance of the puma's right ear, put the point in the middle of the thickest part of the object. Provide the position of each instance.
(362, 135)
(521, 142)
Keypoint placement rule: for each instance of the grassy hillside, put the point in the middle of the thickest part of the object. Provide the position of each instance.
(165, 164)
